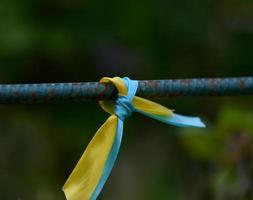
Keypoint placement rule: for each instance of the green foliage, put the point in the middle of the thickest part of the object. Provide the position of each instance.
(228, 148)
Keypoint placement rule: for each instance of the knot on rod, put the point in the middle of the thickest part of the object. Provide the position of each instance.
(124, 107)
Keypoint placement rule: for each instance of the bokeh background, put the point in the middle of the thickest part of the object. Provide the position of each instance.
(84, 40)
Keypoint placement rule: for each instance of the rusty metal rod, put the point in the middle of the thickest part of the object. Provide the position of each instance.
(57, 92)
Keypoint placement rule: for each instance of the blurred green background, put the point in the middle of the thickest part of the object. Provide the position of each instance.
(65, 41)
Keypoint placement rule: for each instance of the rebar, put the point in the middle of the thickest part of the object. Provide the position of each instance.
(153, 89)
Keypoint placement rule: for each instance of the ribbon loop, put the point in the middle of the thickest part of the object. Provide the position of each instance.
(124, 107)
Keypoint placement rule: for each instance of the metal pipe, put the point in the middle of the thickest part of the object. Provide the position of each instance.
(61, 92)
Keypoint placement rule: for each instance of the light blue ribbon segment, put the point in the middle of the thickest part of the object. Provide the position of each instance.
(176, 120)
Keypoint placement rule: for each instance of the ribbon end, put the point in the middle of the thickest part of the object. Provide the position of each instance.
(186, 121)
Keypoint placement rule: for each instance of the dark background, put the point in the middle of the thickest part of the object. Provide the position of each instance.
(68, 41)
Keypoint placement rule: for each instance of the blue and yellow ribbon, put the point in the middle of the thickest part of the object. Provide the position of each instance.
(91, 172)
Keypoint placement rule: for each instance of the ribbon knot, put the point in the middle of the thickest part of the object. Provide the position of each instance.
(91, 172)
(124, 107)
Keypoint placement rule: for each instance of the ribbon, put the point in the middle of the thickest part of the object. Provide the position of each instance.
(91, 172)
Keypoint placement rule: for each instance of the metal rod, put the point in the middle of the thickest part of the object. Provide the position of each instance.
(57, 92)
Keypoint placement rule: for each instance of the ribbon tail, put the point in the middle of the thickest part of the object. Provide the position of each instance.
(177, 120)
(184, 121)
(163, 114)
(84, 180)
(111, 159)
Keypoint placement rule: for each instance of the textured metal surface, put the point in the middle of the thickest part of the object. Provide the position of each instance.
(56, 92)
(197, 87)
